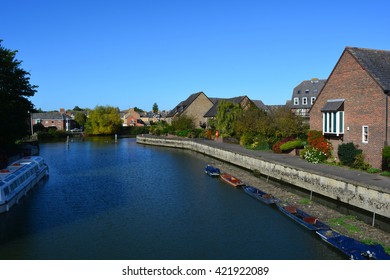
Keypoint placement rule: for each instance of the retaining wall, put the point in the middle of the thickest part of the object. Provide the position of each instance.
(352, 193)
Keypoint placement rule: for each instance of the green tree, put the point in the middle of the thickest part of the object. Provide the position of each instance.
(15, 87)
(183, 123)
(227, 115)
(80, 118)
(284, 123)
(103, 120)
(155, 108)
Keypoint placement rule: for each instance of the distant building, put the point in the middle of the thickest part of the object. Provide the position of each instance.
(304, 95)
(59, 120)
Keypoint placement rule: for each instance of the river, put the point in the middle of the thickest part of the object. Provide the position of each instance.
(106, 200)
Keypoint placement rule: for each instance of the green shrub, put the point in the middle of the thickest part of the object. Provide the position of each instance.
(347, 153)
(246, 139)
(359, 162)
(386, 173)
(386, 158)
(276, 146)
(373, 170)
(290, 145)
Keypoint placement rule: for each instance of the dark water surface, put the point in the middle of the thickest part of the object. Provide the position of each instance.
(128, 201)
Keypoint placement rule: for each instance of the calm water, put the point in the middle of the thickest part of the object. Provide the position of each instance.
(128, 201)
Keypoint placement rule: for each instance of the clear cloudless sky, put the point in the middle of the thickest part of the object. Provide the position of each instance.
(132, 53)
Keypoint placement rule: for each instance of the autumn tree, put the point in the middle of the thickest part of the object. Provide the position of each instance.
(103, 120)
(15, 89)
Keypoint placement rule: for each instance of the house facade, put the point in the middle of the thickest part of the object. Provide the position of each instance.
(353, 104)
(195, 106)
(304, 95)
(59, 120)
(132, 118)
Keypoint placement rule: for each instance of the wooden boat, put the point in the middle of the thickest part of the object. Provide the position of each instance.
(231, 180)
(260, 195)
(301, 217)
(352, 248)
(212, 171)
(18, 178)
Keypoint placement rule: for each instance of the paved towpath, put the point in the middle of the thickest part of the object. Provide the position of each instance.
(374, 181)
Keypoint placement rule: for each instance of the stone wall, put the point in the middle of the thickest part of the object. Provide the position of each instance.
(339, 189)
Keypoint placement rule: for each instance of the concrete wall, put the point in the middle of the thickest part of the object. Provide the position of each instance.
(348, 192)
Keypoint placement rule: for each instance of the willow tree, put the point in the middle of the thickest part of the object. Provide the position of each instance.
(15, 89)
(103, 120)
(227, 114)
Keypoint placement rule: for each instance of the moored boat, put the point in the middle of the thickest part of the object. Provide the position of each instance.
(18, 178)
(301, 217)
(260, 195)
(231, 180)
(352, 248)
(212, 171)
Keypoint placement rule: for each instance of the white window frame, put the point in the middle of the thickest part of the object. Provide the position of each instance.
(365, 134)
(296, 100)
(312, 100)
(333, 122)
(304, 100)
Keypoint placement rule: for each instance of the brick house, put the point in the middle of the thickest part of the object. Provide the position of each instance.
(132, 118)
(353, 104)
(59, 120)
(304, 95)
(195, 106)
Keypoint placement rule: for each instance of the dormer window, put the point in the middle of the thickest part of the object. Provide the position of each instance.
(299, 92)
(307, 91)
(333, 117)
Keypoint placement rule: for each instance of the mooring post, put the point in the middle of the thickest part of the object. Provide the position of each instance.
(373, 219)
(67, 141)
(116, 138)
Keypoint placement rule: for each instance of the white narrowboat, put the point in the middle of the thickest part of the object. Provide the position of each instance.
(18, 178)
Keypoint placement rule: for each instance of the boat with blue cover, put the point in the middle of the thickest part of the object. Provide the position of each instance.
(303, 218)
(18, 178)
(260, 195)
(212, 171)
(352, 248)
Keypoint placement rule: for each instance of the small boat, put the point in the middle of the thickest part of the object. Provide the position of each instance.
(231, 180)
(212, 171)
(18, 178)
(301, 217)
(260, 195)
(352, 248)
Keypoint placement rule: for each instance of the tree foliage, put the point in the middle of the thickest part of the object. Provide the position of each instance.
(183, 122)
(103, 120)
(15, 88)
(155, 108)
(227, 115)
(80, 118)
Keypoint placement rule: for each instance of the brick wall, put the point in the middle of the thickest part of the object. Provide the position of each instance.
(364, 105)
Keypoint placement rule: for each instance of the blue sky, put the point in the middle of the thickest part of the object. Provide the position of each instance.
(134, 53)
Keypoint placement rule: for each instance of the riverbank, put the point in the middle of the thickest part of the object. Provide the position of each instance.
(346, 224)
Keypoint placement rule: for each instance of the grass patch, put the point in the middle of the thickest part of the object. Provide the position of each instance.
(386, 173)
(373, 170)
(345, 222)
(305, 201)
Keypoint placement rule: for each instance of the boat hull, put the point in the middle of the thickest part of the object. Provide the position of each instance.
(231, 180)
(260, 195)
(301, 217)
(18, 179)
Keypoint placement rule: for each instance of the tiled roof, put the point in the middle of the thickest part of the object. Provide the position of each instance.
(50, 116)
(376, 63)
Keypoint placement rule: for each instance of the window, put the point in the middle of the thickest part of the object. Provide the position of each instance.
(333, 122)
(365, 134)
(312, 100)
(299, 91)
(307, 91)
(296, 101)
(333, 117)
(304, 101)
